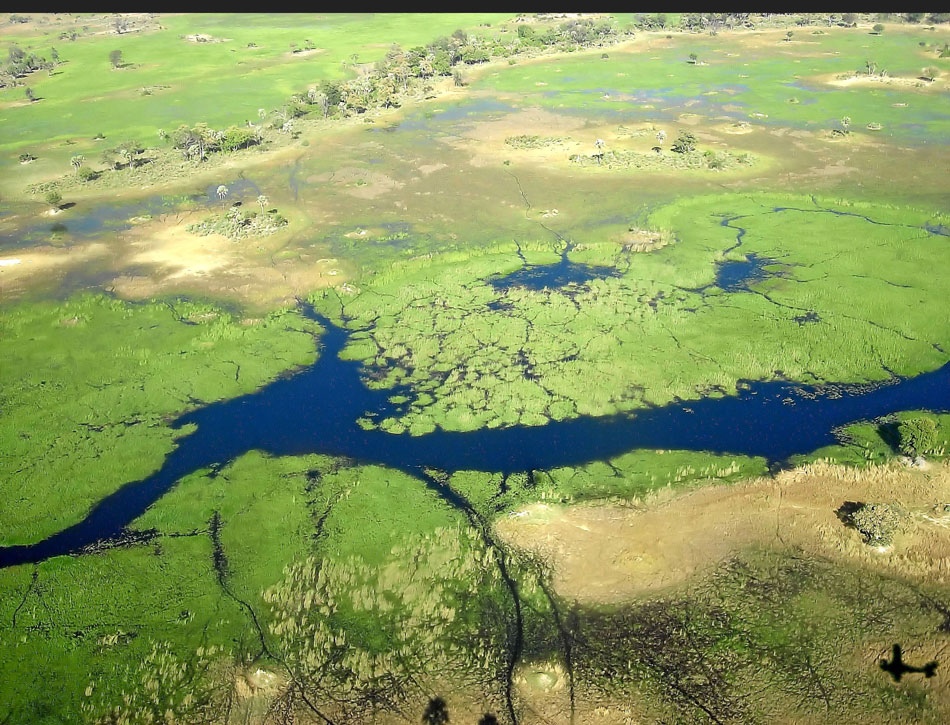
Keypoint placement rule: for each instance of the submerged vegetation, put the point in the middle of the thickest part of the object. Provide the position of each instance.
(839, 310)
(507, 252)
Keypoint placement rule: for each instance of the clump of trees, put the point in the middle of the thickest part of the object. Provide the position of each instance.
(237, 223)
(197, 142)
(404, 71)
(20, 64)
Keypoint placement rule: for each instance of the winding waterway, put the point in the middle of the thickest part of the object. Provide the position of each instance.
(315, 410)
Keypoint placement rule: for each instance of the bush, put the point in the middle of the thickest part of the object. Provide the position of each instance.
(86, 174)
(685, 143)
(877, 522)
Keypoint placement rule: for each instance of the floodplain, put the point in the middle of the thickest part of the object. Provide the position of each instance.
(331, 350)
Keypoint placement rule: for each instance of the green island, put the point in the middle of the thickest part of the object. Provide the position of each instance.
(514, 228)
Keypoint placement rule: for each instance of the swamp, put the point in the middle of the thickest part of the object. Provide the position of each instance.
(475, 368)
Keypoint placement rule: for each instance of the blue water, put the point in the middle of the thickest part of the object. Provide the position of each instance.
(315, 411)
(735, 276)
(550, 276)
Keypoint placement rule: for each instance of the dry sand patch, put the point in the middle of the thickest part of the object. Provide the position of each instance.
(26, 265)
(874, 81)
(611, 553)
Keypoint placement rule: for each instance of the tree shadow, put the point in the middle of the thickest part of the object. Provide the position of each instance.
(436, 712)
(890, 434)
(846, 511)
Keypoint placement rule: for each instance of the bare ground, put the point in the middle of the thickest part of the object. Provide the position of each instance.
(613, 553)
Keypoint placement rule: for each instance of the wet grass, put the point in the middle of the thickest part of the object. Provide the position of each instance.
(873, 442)
(627, 478)
(752, 79)
(89, 384)
(840, 302)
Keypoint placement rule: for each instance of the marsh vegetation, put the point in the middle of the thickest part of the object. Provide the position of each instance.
(365, 368)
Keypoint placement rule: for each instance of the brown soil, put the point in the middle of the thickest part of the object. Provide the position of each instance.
(249, 270)
(874, 81)
(612, 553)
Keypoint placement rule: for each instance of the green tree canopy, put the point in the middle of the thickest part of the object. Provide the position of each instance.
(917, 435)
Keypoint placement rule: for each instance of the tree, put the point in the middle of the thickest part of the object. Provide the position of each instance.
(115, 58)
(129, 150)
(488, 719)
(878, 29)
(917, 435)
(222, 191)
(684, 143)
(788, 35)
(77, 161)
(30, 96)
(877, 522)
(54, 199)
(846, 124)
(263, 201)
(929, 73)
(109, 158)
(54, 55)
(693, 58)
(457, 78)
(599, 144)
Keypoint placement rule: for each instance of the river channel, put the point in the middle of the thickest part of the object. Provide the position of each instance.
(315, 410)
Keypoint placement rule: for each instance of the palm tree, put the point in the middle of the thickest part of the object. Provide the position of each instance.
(76, 161)
(599, 143)
(128, 151)
(262, 200)
(846, 123)
(222, 191)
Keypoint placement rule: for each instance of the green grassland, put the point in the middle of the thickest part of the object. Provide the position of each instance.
(749, 81)
(360, 588)
(845, 301)
(219, 83)
(89, 386)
